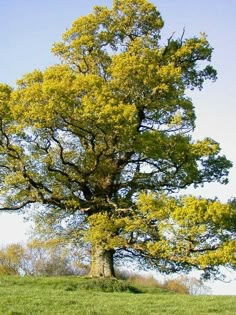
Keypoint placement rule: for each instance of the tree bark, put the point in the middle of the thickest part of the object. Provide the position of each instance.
(102, 264)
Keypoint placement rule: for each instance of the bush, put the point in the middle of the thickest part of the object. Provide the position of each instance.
(6, 270)
(134, 278)
(108, 285)
(176, 285)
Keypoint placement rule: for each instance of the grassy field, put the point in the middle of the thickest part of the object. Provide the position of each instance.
(73, 295)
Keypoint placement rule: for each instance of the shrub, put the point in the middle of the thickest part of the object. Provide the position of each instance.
(135, 278)
(176, 285)
(108, 285)
(7, 270)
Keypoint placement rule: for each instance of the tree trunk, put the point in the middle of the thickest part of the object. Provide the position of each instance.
(102, 263)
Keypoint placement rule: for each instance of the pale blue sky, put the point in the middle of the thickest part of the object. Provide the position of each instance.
(28, 29)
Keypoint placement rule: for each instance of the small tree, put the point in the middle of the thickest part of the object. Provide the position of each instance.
(11, 259)
(103, 141)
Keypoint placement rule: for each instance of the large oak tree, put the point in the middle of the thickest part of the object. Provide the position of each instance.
(103, 139)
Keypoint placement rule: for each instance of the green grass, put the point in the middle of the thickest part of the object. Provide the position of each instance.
(73, 295)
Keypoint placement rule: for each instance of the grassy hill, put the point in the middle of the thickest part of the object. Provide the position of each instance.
(83, 296)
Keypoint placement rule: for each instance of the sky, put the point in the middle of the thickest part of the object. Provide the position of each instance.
(28, 28)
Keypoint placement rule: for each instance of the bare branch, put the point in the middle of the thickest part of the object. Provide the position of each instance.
(19, 207)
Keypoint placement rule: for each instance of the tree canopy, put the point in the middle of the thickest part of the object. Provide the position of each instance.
(103, 140)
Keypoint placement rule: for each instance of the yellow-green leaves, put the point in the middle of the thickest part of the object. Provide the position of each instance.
(5, 96)
(198, 216)
(103, 231)
(205, 147)
(184, 231)
(41, 96)
(188, 229)
(5, 93)
(86, 137)
(154, 205)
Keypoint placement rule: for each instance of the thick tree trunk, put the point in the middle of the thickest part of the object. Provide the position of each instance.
(102, 263)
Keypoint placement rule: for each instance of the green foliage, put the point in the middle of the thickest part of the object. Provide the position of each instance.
(185, 231)
(108, 285)
(86, 138)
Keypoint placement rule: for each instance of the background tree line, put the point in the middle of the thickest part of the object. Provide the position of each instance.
(37, 259)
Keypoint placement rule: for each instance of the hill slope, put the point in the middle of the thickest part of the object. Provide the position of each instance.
(73, 295)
